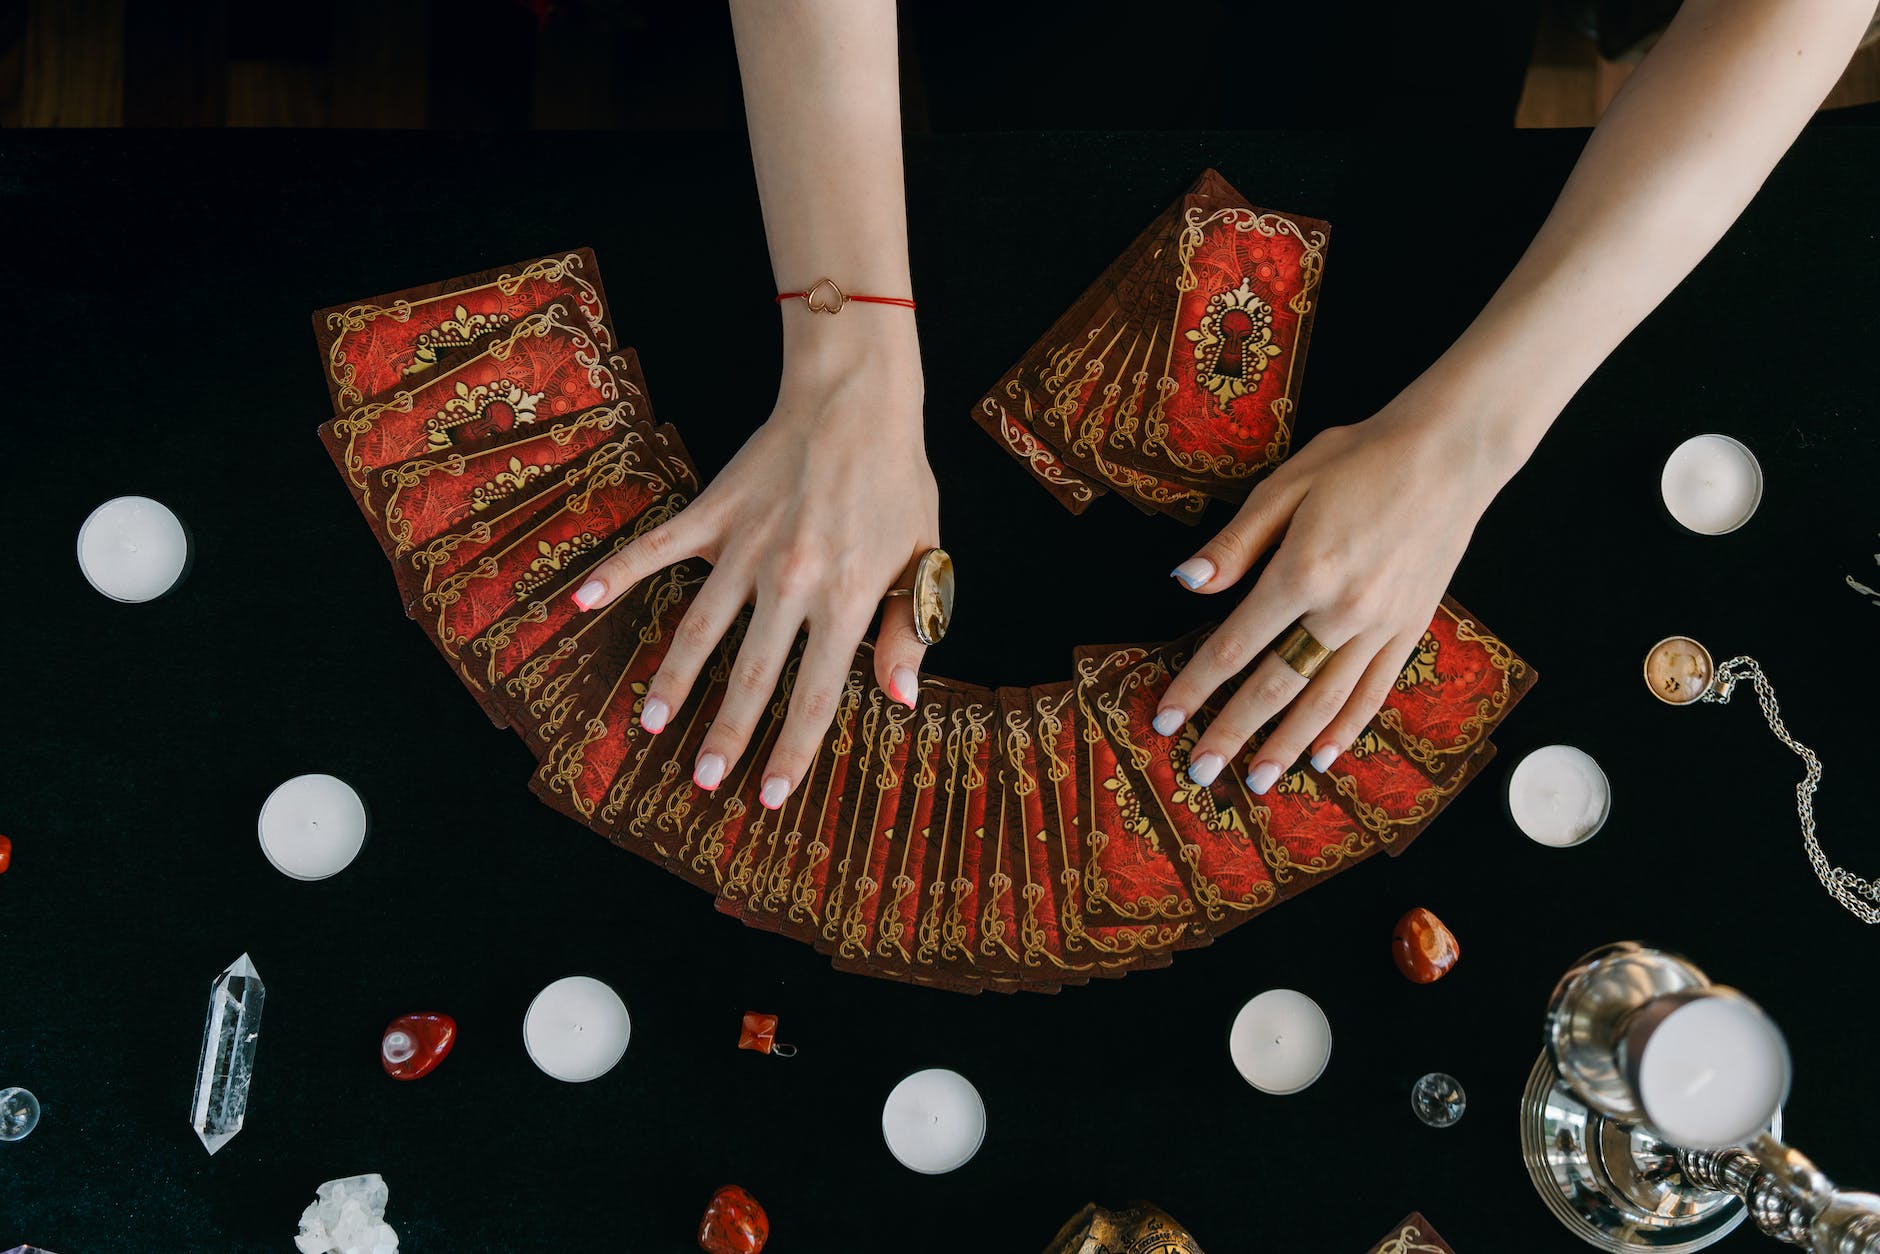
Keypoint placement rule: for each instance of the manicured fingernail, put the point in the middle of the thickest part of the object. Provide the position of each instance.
(1168, 722)
(653, 715)
(1205, 768)
(590, 592)
(710, 770)
(1194, 572)
(1261, 777)
(775, 789)
(904, 684)
(1326, 755)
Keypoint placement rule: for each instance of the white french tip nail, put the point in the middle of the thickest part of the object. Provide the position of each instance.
(588, 593)
(653, 715)
(1205, 768)
(1261, 777)
(1168, 722)
(904, 684)
(710, 771)
(775, 789)
(1194, 572)
(1324, 758)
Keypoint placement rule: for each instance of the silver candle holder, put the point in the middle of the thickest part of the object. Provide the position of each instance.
(1612, 1177)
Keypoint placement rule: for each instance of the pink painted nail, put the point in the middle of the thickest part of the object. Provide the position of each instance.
(1168, 722)
(590, 592)
(653, 715)
(775, 789)
(710, 771)
(1326, 755)
(904, 684)
(1261, 777)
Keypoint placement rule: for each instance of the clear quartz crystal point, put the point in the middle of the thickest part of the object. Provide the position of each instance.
(1438, 1100)
(228, 1054)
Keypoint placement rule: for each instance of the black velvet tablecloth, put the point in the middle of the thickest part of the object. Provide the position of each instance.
(157, 342)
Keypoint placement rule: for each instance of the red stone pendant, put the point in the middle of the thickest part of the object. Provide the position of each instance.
(414, 1044)
(1423, 948)
(734, 1223)
(759, 1032)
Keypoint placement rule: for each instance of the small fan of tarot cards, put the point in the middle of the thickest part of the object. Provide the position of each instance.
(1174, 378)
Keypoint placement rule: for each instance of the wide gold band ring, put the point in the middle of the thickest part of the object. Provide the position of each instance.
(1302, 651)
(933, 595)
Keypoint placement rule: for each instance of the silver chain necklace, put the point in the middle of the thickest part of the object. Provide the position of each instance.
(1679, 672)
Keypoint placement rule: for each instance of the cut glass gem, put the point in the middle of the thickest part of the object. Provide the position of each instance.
(1438, 1100)
(19, 1114)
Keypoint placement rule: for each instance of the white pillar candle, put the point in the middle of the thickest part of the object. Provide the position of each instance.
(576, 1029)
(1712, 484)
(312, 826)
(1558, 796)
(1713, 1072)
(132, 549)
(934, 1121)
(1280, 1041)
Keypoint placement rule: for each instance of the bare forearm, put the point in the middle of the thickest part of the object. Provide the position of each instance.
(1683, 148)
(822, 98)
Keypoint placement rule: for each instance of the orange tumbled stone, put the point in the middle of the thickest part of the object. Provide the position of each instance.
(1423, 948)
(759, 1032)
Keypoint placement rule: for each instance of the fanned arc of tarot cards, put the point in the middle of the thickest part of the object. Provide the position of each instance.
(500, 443)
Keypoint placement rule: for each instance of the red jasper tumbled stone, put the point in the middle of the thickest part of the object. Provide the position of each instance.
(734, 1223)
(6, 854)
(1423, 948)
(414, 1044)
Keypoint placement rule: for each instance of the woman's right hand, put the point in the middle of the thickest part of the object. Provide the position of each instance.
(824, 509)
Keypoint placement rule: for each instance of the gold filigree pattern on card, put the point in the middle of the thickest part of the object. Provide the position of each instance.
(460, 330)
(931, 929)
(501, 401)
(890, 929)
(1038, 456)
(1233, 345)
(976, 730)
(854, 927)
(356, 318)
(357, 422)
(1312, 263)
(873, 742)
(551, 560)
(1421, 668)
(803, 884)
(1409, 1240)
(1474, 727)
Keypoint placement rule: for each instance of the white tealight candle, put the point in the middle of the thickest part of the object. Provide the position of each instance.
(934, 1121)
(312, 826)
(1558, 796)
(576, 1029)
(1280, 1041)
(1712, 484)
(132, 549)
(1713, 1072)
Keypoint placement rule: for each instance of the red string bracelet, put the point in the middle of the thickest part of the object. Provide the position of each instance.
(819, 298)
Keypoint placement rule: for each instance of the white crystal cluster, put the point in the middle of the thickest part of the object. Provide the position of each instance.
(348, 1218)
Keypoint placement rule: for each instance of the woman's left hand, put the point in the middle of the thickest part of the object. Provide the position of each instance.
(1370, 521)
